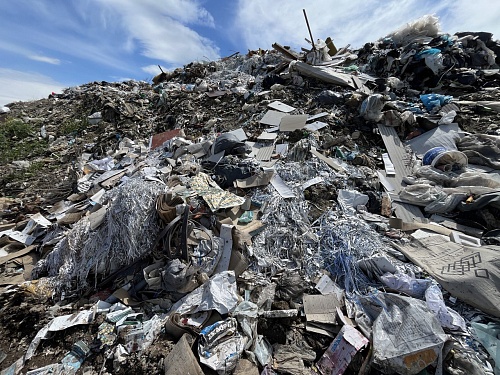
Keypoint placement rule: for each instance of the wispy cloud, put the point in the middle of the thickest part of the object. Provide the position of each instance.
(45, 59)
(163, 30)
(261, 23)
(25, 86)
(13, 48)
(153, 69)
(112, 33)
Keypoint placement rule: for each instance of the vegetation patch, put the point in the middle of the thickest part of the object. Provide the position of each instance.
(19, 141)
(72, 126)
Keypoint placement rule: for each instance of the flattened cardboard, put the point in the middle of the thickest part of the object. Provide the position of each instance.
(321, 308)
(181, 360)
(16, 254)
(158, 139)
(290, 123)
(282, 107)
(339, 354)
(272, 118)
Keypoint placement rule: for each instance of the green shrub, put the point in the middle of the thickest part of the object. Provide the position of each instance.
(19, 141)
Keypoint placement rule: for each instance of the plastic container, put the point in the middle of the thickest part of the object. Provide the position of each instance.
(446, 160)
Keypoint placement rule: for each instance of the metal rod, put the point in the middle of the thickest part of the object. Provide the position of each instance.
(309, 28)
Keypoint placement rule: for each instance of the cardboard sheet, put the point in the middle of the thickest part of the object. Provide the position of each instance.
(321, 308)
(272, 118)
(469, 273)
(293, 122)
(279, 106)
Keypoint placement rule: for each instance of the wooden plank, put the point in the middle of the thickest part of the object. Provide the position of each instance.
(397, 153)
(17, 254)
(286, 52)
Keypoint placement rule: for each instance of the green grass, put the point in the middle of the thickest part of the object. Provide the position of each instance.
(19, 141)
(72, 126)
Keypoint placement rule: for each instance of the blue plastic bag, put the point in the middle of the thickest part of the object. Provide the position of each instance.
(431, 51)
(433, 100)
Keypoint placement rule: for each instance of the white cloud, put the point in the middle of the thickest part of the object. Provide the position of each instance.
(153, 69)
(162, 30)
(110, 33)
(46, 59)
(23, 86)
(261, 22)
(13, 48)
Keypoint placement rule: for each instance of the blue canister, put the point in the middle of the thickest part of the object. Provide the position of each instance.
(430, 155)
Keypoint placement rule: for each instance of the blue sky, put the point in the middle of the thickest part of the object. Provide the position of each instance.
(48, 45)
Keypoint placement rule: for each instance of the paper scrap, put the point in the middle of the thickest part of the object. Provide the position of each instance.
(293, 122)
(240, 134)
(282, 149)
(272, 118)
(316, 125)
(389, 167)
(264, 136)
(311, 182)
(281, 187)
(317, 116)
(279, 106)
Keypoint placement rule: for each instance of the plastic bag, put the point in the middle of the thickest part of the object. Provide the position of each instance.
(263, 350)
(220, 346)
(435, 175)
(371, 108)
(427, 25)
(445, 203)
(421, 193)
(432, 101)
(447, 118)
(406, 283)
(447, 317)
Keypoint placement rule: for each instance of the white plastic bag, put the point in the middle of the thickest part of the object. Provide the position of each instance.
(448, 318)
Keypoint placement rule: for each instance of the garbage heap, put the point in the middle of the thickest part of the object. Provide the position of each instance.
(324, 212)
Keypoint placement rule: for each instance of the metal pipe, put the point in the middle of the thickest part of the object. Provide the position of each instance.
(309, 28)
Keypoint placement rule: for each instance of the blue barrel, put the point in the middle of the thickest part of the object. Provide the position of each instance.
(431, 154)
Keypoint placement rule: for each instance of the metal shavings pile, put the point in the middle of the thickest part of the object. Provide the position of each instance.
(128, 232)
(343, 241)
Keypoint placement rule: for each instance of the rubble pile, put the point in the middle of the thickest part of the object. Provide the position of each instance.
(332, 211)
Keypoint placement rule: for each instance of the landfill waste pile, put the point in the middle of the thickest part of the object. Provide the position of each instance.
(328, 211)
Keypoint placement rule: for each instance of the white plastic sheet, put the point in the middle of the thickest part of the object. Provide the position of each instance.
(406, 283)
(448, 317)
(407, 337)
(219, 293)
